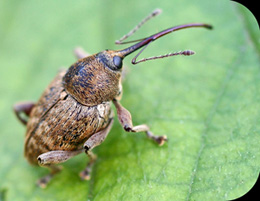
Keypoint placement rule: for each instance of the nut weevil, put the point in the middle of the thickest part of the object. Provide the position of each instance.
(74, 114)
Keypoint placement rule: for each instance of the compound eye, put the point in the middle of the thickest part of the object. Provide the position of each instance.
(117, 62)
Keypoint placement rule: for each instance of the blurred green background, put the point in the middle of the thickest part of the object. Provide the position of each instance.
(207, 104)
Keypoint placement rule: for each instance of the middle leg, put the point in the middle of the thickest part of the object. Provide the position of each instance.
(23, 107)
(50, 159)
(92, 142)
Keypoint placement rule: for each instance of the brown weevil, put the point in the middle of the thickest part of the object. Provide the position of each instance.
(74, 114)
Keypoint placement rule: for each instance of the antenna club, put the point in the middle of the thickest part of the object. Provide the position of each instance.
(208, 26)
(156, 12)
(188, 52)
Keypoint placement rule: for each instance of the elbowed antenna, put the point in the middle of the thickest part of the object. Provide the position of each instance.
(146, 41)
(155, 13)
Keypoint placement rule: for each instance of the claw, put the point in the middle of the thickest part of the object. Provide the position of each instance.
(43, 182)
(85, 175)
(161, 139)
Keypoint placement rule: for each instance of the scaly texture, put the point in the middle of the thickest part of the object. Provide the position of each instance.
(59, 122)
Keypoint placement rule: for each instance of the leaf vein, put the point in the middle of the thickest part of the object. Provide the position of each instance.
(207, 122)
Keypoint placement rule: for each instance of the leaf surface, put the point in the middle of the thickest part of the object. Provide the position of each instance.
(207, 104)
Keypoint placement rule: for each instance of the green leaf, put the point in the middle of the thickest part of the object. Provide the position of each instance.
(207, 104)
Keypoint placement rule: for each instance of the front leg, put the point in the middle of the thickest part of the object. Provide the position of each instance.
(125, 120)
(80, 53)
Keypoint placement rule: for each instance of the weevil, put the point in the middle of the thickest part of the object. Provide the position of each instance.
(74, 113)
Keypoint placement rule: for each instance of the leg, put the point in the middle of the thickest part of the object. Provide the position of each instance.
(25, 107)
(80, 53)
(43, 182)
(92, 142)
(49, 160)
(125, 120)
(85, 174)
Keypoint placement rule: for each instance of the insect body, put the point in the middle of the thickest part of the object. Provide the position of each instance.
(74, 113)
